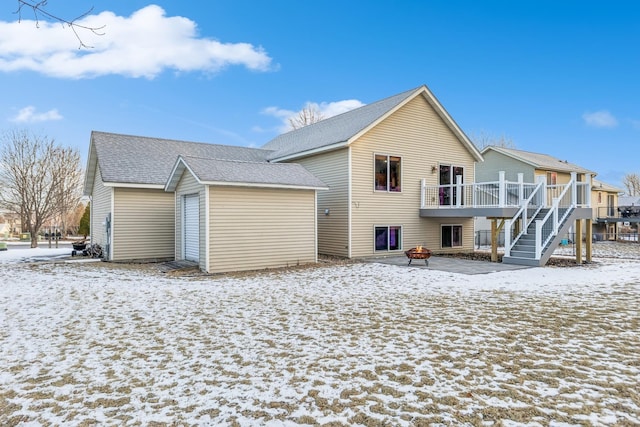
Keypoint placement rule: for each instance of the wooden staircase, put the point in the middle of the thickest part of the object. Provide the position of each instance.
(523, 251)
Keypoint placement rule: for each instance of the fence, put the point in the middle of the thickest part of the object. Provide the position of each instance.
(483, 238)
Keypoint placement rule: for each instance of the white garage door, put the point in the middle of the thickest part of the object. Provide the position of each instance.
(191, 232)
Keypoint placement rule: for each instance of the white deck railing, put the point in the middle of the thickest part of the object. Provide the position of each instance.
(560, 200)
(494, 194)
(529, 198)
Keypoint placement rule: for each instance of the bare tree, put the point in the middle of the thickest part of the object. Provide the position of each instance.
(631, 181)
(40, 11)
(483, 139)
(39, 181)
(308, 115)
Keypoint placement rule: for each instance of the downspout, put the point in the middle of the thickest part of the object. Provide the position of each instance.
(350, 203)
(207, 232)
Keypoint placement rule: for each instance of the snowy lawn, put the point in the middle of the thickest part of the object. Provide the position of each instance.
(362, 344)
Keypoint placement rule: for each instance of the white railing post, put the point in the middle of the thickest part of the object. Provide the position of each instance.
(520, 187)
(474, 189)
(587, 190)
(422, 193)
(458, 191)
(574, 189)
(502, 189)
(556, 203)
(543, 179)
(538, 239)
(507, 238)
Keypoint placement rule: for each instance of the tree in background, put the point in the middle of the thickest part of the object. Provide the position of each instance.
(40, 10)
(83, 228)
(483, 139)
(39, 180)
(308, 115)
(631, 181)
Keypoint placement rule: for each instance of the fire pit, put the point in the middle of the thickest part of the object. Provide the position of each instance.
(418, 252)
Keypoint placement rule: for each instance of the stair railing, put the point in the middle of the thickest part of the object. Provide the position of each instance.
(535, 202)
(547, 227)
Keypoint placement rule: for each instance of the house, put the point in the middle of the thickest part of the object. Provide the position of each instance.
(531, 165)
(565, 194)
(629, 213)
(606, 212)
(145, 191)
(375, 160)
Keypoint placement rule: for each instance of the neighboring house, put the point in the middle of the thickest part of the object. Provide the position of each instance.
(532, 166)
(606, 213)
(135, 215)
(375, 160)
(629, 211)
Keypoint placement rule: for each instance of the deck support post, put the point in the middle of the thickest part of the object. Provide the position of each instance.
(495, 233)
(589, 239)
(578, 239)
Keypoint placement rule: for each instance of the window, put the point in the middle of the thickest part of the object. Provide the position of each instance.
(447, 179)
(388, 173)
(599, 197)
(451, 236)
(552, 178)
(388, 238)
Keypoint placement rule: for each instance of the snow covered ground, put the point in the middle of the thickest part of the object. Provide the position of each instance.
(361, 344)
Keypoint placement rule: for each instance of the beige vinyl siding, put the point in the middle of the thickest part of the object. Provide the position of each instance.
(562, 177)
(333, 229)
(255, 228)
(418, 135)
(143, 224)
(187, 186)
(100, 208)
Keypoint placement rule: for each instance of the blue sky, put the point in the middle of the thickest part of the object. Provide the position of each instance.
(557, 77)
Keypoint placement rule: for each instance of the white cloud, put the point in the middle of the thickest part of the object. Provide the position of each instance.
(600, 119)
(30, 115)
(326, 109)
(142, 45)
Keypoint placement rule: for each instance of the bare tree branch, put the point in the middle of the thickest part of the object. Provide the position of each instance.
(484, 139)
(39, 10)
(631, 181)
(308, 115)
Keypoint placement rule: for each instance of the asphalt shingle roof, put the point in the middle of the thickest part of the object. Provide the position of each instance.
(260, 173)
(597, 185)
(539, 160)
(143, 160)
(333, 130)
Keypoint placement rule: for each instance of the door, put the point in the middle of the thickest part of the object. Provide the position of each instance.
(447, 180)
(191, 227)
(610, 206)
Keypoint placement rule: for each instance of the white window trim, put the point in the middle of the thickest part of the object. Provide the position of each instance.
(461, 236)
(400, 226)
(388, 186)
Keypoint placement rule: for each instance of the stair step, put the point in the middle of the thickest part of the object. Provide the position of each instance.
(523, 254)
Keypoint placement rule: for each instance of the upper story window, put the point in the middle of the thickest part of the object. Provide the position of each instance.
(387, 173)
(552, 178)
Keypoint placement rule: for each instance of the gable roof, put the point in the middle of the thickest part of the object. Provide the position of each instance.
(629, 201)
(139, 161)
(603, 186)
(538, 160)
(252, 174)
(341, 130)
